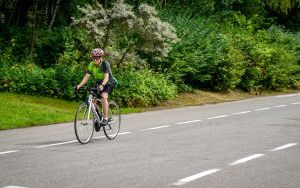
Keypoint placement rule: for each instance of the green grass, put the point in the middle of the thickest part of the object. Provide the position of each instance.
(25, 111)
(19, 111)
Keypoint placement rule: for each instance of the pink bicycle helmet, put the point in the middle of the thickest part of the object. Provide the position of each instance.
(97, 52)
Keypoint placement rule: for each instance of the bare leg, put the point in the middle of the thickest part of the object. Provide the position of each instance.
(95, 103)
(105, 105)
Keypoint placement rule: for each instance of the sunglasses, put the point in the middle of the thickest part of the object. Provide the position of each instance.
(96, 58)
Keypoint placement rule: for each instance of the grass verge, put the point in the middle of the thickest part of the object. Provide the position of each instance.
(19, 111)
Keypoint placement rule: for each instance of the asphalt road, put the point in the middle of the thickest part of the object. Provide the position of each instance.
(244, 144)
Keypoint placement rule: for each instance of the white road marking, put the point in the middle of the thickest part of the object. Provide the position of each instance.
(165, 126)
(11, 186)
(56, 144)
(238, 113)
(186, 122)
(154, 128)
(246, 159)
(260, 109)
(72, 141)
(279, 106)
(284, 146)
(97, 137)
(123, 133)
(196, 176)
(6, 152)
(216, 117)
(290, 95)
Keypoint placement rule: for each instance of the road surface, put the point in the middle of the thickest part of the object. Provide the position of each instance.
(242, 144)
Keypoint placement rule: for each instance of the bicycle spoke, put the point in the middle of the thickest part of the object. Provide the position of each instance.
(84, 124)
(112, 129)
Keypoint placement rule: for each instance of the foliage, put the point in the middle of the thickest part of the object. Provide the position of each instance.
(283, 5)
(31, 79)
(47, 13)
(135, 88)
(142, 88)
(224, 53)
(126, 31)
(225, 45)
(285, 12)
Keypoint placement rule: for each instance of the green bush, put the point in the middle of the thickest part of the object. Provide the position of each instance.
(273, 60)
(31, 79)
(28, 79)
(206, 57)
(135, 88)
(142, 88)
(228, 51)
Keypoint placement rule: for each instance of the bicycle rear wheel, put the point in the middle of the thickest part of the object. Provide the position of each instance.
(84, 123)
(114, 122)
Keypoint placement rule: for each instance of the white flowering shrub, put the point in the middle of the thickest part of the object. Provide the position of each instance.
(157, 35)
(126, 31)
(95, 21)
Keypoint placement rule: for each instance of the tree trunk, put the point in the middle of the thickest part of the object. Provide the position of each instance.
(46, 13)
(33, 31)
(124, 55)
(54, 13)
(13, 13)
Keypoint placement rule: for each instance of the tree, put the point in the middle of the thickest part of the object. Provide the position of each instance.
(127, 31)
(283, 5)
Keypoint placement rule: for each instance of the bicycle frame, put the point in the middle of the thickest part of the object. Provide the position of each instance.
(93, 107)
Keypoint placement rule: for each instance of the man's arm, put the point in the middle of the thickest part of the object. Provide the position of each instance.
(84, 81)
(106, 73)
(105, 80)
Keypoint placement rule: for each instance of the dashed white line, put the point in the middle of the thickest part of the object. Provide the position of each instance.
(123, 133)
(12, 186)
(165, 126)
(154, 128)
(260, 109)
(56, 144)
(196, 176)
(72, 141)
(240, 161)
(6, 152)
(279, 106)
(246, 159)
(216, 117)
(284, 146)
(186, 122)
(238, 113)
(98, 137)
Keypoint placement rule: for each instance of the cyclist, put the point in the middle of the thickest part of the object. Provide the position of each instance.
(101, 72)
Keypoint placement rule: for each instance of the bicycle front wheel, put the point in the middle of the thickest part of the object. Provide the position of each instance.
(84, 123)
(114, 121)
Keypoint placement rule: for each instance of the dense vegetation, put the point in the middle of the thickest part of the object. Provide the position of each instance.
(157, 48)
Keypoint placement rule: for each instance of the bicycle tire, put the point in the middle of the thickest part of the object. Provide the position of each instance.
(84, 124)
(111, 130)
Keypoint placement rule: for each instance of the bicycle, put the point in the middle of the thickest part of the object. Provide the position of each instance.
(88, 114)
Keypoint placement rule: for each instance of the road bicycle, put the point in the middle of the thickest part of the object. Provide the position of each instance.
(88, 114)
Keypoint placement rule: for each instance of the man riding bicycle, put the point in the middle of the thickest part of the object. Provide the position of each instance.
(101, 72)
